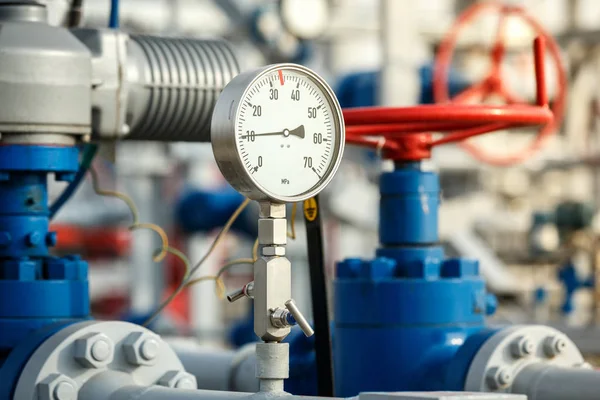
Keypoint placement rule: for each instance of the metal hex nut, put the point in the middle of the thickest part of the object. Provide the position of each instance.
(522, 347)
(57, 387)
(271, 210)
(178, 380)
(270, 251)
(141, 348)
(499, 378)
(272, 231)
(554, 345)
(94, 350)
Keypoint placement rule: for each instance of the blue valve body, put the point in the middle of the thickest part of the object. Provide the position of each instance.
(401, 318)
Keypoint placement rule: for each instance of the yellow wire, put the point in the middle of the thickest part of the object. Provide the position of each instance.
(233, 263)
(186, 262)
(221, 235)
(161, 253)
(255, 250)
(292, 234)
(190, 271)
(179, 254)
(220, 288)
(110, 193)
(134, 214)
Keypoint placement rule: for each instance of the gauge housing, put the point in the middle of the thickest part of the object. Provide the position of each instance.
(224, 127)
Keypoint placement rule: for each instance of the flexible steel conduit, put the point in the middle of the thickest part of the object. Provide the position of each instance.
(173, 86)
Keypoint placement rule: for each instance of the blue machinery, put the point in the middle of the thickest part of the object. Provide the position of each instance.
(36, 290)
(407, 320)
(411, 320)
(413, 307)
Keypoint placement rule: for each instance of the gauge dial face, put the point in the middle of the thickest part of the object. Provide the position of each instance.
(288, 132)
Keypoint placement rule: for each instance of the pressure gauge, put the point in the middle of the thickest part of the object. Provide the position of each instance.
(278, 133)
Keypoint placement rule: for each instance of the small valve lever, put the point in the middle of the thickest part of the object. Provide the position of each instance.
(300, 320)
(246, 291)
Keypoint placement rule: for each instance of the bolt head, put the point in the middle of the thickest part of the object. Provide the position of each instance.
(149, 349)
(499, 378)
(178, 380)
(34, 239)
(522, 347)
(141, 348)
(554, 345)
(94, 350)
(57, 387)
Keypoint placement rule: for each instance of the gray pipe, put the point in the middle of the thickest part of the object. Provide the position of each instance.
(163, 393)
(548, 382)
(216, 369)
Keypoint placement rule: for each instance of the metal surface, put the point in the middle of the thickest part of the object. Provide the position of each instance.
(549, 382)
(60, 355)
(153, 88)
(45, 75)
(272, 365)
(299, 318)
(219, 369)
(223, 137)
(29, 11)
(496, 368)
(272, 288)
(174, 84)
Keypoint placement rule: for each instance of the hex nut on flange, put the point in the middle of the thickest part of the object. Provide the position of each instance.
(522, 347)
(554, 345)
(141, 348)
(178, 380)
(499, 378)
(57, 387)
(94, 350)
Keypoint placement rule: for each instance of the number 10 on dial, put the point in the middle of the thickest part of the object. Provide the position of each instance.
(278, 133)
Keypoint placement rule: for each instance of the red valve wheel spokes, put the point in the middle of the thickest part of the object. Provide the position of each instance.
(402, 133)
(492, 84)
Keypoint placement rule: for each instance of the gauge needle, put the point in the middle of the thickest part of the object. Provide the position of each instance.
(299, 131)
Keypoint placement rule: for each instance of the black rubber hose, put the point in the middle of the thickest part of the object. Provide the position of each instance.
(318, 286)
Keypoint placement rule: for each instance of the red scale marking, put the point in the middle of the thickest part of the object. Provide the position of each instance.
(280, 77)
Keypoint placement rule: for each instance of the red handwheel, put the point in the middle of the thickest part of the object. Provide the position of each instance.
(403, 134)
(492, 84)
